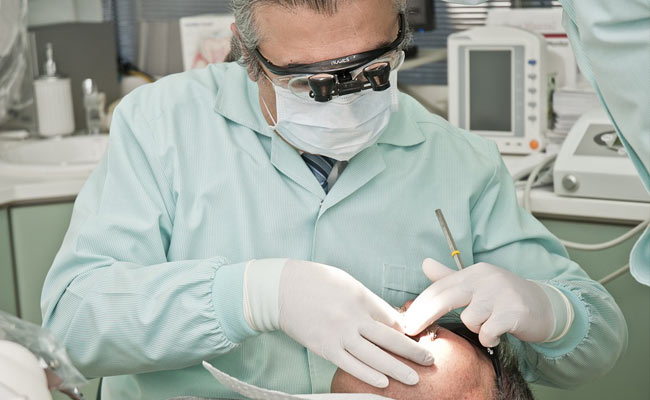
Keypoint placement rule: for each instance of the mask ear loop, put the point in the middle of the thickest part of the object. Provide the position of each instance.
(268, 111)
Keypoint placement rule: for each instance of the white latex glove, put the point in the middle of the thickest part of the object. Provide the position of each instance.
(334, 315)
(497, 301)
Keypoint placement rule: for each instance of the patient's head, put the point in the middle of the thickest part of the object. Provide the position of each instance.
(462, 370)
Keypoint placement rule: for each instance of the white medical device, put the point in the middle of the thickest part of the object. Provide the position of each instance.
(547, 21)
(498, 81)
(594, 163)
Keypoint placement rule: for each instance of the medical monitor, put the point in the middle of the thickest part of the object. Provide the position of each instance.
(498, 86)
(421, 15)
(490, 90)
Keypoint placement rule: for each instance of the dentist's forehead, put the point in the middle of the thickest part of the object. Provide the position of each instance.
(301, 35)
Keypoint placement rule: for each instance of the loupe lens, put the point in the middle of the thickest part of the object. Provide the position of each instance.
(321, 86)
(378, 75)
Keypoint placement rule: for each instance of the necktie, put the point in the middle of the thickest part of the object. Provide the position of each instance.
(320, 166)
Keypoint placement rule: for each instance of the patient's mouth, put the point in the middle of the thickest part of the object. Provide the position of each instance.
(428, 334)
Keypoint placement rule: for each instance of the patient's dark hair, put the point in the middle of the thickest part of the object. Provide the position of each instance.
(513, 384)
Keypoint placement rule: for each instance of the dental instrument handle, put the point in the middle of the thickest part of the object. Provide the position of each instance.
(455, 253)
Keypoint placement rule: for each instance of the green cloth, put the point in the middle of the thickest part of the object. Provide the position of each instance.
(611, 41)
(148, 281)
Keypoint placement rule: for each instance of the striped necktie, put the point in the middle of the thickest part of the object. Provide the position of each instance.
(320, 166)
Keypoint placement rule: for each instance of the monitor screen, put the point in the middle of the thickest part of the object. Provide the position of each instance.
(490, 90)
(421, 15)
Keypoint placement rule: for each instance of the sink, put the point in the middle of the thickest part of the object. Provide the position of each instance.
(67, 156)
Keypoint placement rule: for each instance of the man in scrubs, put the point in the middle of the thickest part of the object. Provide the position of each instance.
(267, 216)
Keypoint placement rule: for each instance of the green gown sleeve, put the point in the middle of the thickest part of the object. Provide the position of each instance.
(112, 297)
(598, 334)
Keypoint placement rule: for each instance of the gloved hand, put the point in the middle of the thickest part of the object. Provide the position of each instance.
(332, 314)
(497, 301)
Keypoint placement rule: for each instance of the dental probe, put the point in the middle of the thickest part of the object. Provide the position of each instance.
(455, 253)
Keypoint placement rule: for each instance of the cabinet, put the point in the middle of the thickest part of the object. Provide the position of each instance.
(37, 233)
(30, 237)
(7, 278)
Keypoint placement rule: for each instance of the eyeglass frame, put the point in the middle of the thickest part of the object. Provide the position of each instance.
(490, 352)
(335, 65)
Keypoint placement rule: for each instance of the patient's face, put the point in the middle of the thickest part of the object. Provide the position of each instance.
(460, 371)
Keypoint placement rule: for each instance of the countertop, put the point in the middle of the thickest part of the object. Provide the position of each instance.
(47, 180)
(17, 190)
(545, 203)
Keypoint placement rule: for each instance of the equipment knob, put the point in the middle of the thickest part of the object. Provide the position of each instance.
(570, 183)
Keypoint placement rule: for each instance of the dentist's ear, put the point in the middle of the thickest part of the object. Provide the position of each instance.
(236, 41)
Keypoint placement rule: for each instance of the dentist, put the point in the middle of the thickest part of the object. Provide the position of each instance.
(267, 216)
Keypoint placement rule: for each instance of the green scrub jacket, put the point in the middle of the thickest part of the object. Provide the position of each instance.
(611, 41)
(148, 281)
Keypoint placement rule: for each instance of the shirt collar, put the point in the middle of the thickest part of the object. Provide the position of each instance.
(237, 99)
(403, 129)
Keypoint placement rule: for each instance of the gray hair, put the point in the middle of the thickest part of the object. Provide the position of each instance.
(242, 47)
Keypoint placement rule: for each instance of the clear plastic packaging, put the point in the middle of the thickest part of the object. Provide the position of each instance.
(13, 61)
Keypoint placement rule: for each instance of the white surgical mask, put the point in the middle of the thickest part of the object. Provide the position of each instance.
(340, 128)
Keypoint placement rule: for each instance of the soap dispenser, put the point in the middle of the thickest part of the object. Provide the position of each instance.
(53, 94)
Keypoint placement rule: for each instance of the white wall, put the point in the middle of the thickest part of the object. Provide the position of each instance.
(433, 97)
(44, 12)
(89, 10)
